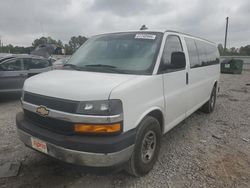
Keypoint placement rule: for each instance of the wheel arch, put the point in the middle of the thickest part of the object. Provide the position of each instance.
(216, 85)
(155, 112)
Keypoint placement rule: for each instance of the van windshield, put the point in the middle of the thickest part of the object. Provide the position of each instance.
(129, 53)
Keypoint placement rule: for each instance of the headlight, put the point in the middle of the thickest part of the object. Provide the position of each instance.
(102, 107)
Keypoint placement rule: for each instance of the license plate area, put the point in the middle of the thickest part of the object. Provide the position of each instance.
(39, 145)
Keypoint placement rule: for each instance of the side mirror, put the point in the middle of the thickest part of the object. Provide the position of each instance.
(178, 60)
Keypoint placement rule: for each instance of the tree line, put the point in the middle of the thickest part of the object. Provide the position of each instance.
(74, 43)
(242, 51)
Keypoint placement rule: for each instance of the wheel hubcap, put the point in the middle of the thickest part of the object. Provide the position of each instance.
(148, 146)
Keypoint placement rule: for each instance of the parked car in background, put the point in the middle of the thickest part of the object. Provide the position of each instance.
(14, 69)
(58, 64)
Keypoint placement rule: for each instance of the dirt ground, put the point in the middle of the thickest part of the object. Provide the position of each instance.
(203, 151)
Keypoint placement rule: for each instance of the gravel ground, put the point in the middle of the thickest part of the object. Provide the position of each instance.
(203, 151)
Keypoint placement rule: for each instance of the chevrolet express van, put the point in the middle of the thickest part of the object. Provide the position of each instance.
(116, 97)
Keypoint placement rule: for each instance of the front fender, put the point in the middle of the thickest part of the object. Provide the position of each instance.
(139, 97)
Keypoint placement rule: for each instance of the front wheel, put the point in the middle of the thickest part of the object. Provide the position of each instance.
(147, 146)
(208, 107)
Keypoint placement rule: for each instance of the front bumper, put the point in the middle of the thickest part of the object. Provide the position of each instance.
(80, 157)
(79, 149)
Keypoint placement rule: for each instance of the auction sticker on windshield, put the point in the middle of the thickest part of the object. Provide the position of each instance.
(145, 36)
(39, 145)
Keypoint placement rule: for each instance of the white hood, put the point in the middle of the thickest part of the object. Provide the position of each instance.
(75, 85)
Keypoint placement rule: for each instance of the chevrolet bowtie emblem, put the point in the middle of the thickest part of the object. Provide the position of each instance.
(42, 110)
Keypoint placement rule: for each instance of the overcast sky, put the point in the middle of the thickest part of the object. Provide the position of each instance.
(22, 21)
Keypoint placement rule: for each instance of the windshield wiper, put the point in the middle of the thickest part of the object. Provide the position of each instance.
(101, 65)
(108, 68)
(72, 66)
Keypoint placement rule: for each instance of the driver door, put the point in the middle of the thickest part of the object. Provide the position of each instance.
(174, 81)
(12, 75)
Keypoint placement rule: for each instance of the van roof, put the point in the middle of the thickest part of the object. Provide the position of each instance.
(190, 35)
(163, 31)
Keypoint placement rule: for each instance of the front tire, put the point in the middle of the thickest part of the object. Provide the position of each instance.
(147, 146)
(208, 107)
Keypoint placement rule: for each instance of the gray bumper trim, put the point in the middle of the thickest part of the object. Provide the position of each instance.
(64, 116)
(80, 157)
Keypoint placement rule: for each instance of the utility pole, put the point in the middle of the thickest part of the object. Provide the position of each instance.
(0, 43)
(225, 44)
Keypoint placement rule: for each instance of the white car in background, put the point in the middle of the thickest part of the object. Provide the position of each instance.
(116, 97)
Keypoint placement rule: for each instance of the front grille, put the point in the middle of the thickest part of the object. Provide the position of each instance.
(51, 102)
(52, 124)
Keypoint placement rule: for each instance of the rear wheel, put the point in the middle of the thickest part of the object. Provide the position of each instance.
(147, 146)
(208, 107)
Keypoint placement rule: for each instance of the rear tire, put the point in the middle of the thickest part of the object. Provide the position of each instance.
(146, 149)
(208, 107)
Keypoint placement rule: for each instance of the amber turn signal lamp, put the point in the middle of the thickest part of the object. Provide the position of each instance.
(97, 128)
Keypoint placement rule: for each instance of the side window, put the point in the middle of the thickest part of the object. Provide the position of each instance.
(201, 53)
(192, 53)
(201, 46)
(12, 65)
(173, 44)
(38, 64)
(212, 54)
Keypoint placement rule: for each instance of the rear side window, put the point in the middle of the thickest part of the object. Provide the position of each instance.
(11, 65)
(173, 44)
(202, 50)
(38, 64)
(212, 54)
(192, 53)
(201, 53)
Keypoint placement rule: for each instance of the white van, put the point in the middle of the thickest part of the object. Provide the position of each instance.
(117, 95)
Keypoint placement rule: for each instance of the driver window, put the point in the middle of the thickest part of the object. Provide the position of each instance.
(172, 44)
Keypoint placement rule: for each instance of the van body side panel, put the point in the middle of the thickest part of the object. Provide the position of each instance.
(139, 96)
(175, 98)
(201, 82)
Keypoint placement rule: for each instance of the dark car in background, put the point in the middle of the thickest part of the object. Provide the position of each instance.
(14, 69)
